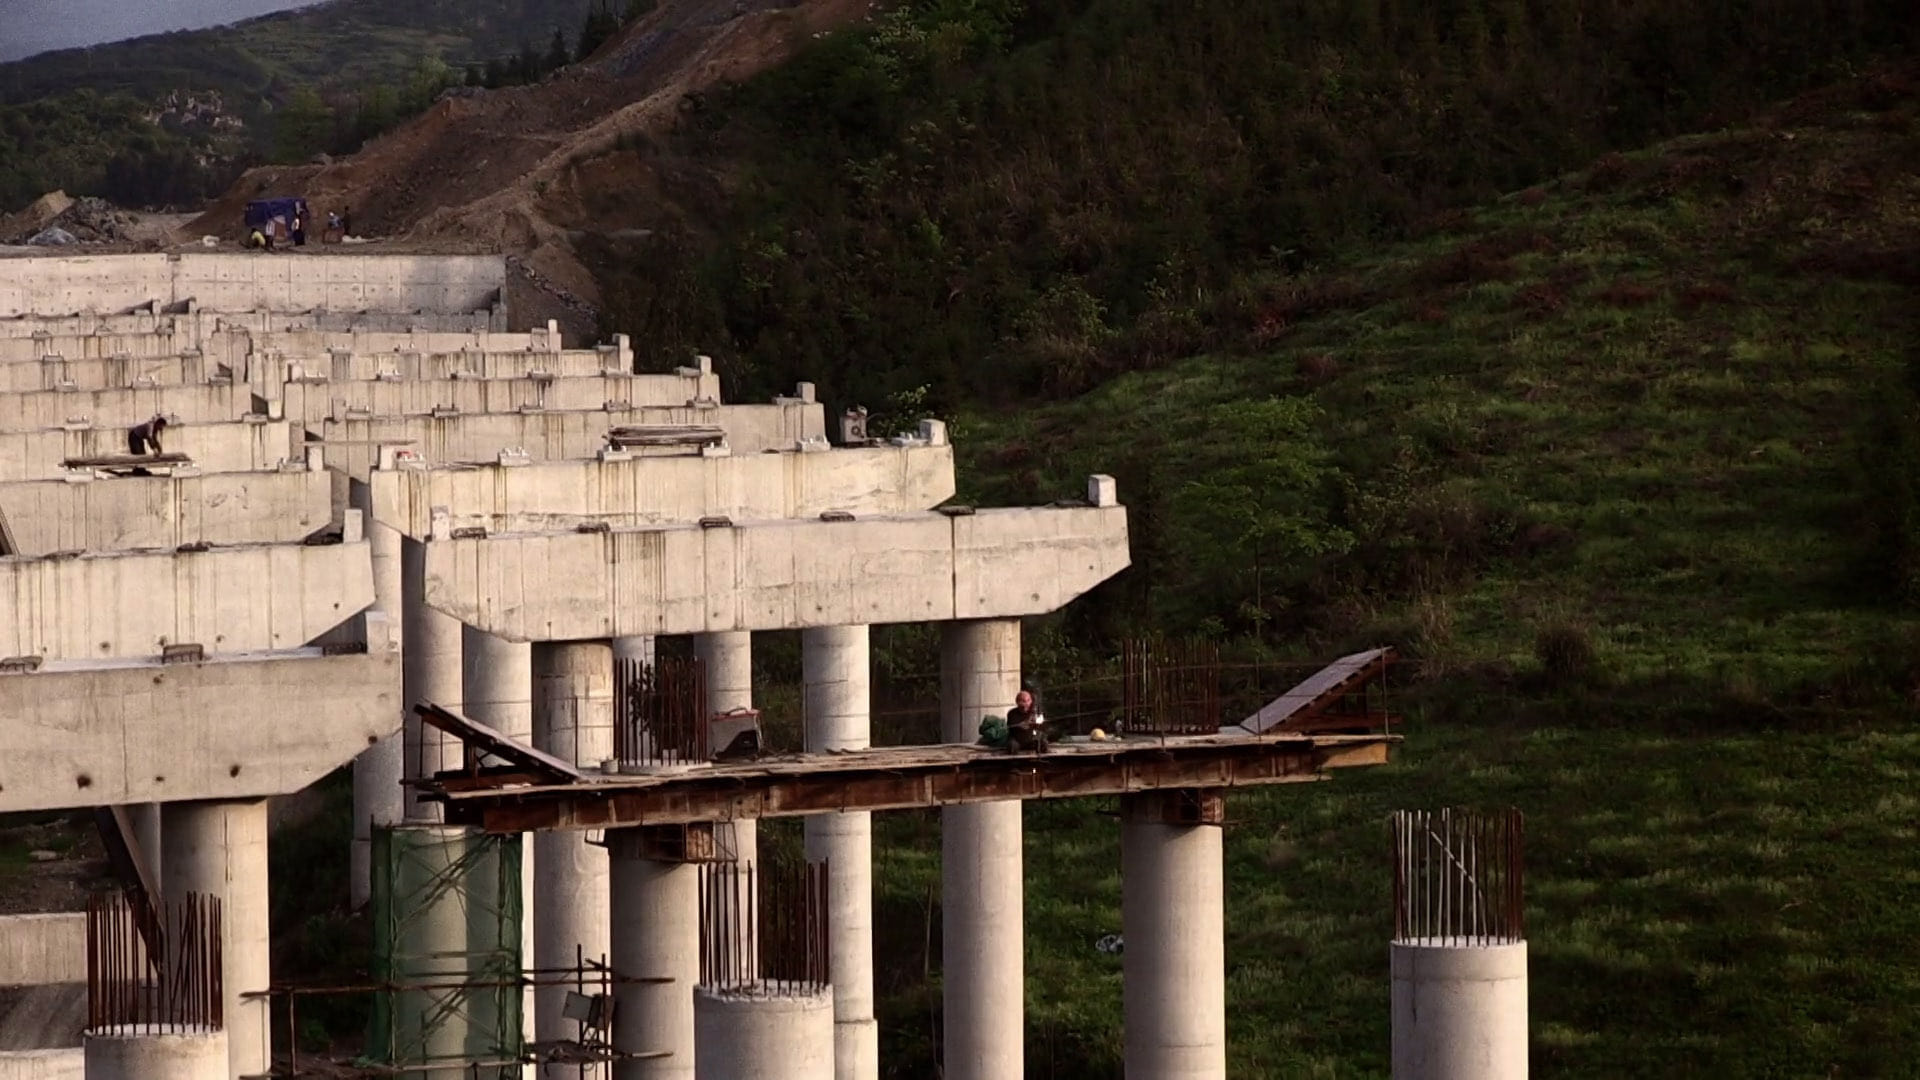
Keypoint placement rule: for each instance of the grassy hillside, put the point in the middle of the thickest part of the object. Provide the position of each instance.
(1624, 460)
(1626, 463)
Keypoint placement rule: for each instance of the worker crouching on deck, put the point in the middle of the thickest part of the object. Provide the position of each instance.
(1026, 724)
(142, 436)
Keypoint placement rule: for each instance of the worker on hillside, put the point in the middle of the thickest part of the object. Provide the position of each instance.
(1026, 724)
(141, 436)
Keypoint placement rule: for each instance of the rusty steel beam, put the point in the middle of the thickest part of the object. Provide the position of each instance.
(901, 778)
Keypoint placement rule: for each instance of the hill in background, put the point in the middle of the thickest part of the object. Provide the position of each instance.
(172, 118)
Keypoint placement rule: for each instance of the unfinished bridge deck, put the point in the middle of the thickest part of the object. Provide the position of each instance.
(534, 792)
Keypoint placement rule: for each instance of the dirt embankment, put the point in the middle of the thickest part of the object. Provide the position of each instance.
(524, 170)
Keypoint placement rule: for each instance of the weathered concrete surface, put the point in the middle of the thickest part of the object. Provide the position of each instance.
(56, 372)
(69, 1063)
(42, 950)
(354, 443)
(776, 575)
(121, 514)
(342, 365)
(308, 401)
(253, 444)
(65, 284)
(1459, 1010)
(43, 1017)
(153, 319)
(128, 1053)
(543, 496)
(203, 403)
(232, 727)
(226, 599)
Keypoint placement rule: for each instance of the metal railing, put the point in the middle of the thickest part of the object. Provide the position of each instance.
(1457, 877)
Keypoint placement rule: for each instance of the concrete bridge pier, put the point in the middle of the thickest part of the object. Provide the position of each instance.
(1174, 966)
(378, 798)
(497, 689)
(134, 1053)
(762, 1035)
(982, 907)
(656, 942)
(219, 849)
(728, 657)
(433, 672)
(836, 671)
(573, 721)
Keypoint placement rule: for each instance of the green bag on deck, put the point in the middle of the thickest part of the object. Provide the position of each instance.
(993, 732)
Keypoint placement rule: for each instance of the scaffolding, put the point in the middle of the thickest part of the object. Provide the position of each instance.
(447, 952)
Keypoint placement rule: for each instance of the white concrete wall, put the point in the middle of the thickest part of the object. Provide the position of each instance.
(309, 401)
(554, 436)
(161, 342)
(85, 514)
(66, 284)
(643, 491)
(65, 1064)
(774, 575)
(247, 446)
(202, 322)
(204, 403)
(233, 727)
(340, 365)
(41, 950)
(55, 372)
(233, 599)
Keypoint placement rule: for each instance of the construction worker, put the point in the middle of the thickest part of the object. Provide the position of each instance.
(1026, 724)
(141, 436)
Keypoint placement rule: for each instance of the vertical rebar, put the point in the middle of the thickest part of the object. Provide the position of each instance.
(169, 986)
(1457, 877)
(660, 711)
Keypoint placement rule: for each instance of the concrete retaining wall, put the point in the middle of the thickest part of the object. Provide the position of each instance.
(66, 284)
(250, 445)
(40, 950)
(201, 323)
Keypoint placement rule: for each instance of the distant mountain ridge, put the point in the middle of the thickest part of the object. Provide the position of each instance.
(31, 27)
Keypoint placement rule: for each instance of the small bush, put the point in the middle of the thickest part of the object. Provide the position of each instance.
(1565, 652)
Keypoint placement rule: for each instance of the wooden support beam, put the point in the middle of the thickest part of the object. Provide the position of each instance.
(900, 778)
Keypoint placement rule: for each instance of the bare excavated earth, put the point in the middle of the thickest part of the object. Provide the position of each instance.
(514, 170)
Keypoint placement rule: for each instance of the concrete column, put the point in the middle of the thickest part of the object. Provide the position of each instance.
(146, 831)
(497, 690)
(435, 938)
(1459, 1011)
(729, 662)
(377, 795)
(836, 671)
(636, 647)
(656, 936)
(764, 1036)
(432, 672)
(220, 849)
(122, 1053)
(573, 721)
(981, 906)
(1175, 964)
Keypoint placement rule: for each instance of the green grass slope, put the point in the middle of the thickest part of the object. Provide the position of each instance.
(1625, 463)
